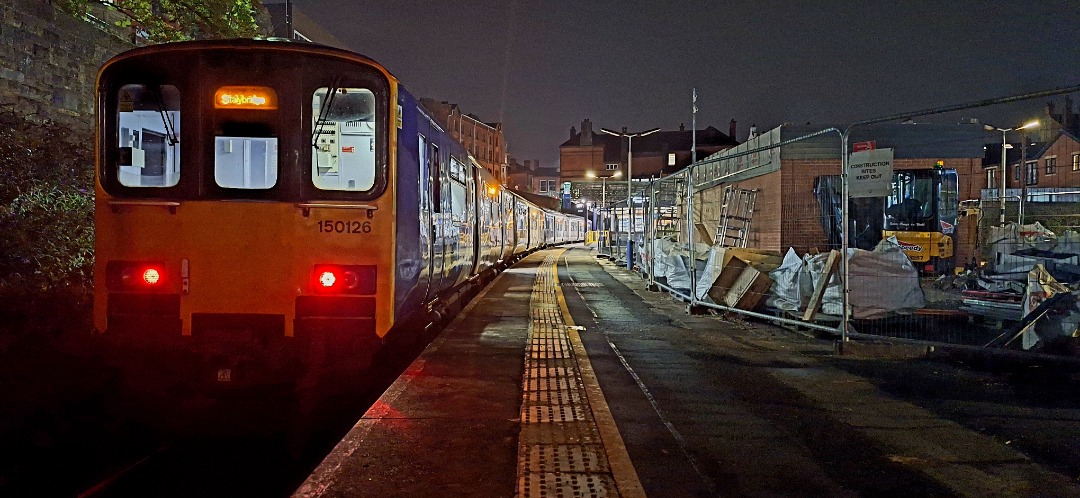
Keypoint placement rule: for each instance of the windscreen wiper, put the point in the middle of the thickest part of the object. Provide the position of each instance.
(324, 111)
(170, 131)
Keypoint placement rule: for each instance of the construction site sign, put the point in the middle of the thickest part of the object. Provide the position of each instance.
(870, 173)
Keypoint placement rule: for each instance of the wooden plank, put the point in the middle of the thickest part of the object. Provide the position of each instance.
(703, 233)
(819, 289)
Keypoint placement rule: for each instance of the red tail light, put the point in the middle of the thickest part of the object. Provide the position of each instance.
(134, 276)
(343, 279)
(151, 276)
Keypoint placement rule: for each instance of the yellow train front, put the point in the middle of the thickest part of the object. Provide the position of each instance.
(245, 213)
(273, 214)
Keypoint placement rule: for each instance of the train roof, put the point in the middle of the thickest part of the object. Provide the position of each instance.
(281, 44)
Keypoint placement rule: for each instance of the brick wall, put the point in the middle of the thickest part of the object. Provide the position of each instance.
(575, 161)
(49, 62)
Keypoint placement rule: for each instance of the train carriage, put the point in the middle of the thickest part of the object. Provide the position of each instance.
(271, 211)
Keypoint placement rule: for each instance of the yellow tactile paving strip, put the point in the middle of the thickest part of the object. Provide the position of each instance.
(569, 445)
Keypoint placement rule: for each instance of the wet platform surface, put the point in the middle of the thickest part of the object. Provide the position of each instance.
(566, 378)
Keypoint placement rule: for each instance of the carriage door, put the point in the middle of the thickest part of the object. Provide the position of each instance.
(426, 226)
(438, 221)
(478, 217)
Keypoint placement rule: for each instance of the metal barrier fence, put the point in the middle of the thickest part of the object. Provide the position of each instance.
(760, 230)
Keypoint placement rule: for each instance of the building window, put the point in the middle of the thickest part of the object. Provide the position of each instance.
(611, 166)
(1051, 165)
(991, 178)
(671, 159)
(1032, 177)
(1016, 173)
(1076, 162)
(547, 186)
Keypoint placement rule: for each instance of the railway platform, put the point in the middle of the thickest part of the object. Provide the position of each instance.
(565, 377)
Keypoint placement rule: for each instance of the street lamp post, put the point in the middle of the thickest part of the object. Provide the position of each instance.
(603, 195)
(1004, 169)
(630, 186)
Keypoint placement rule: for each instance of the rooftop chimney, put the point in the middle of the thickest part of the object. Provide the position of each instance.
(1067, 114)
(731, 129)
(586, 132)
(1050, 109)
(682, 127)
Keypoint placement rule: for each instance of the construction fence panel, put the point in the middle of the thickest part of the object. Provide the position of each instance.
(760, 230)
(665, 239)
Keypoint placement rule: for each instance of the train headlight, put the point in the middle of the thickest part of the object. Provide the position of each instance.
(327, 279)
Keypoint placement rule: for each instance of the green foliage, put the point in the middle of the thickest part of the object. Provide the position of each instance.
(46, 207)
(161, 21)
(51, 239)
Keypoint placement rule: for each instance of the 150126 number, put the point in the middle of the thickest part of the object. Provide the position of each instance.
(338, 226)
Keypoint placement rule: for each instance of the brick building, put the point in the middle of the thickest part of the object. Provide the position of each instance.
(591, 153)
(530, 177)
(520, 176)
(483, 140)
(788, 210)
(1051, 163)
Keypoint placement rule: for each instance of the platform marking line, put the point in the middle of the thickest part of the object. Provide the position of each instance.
(622, 467)
(569, 445)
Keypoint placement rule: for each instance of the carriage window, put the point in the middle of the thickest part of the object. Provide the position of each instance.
(245, 162)
(343, 139)
(457, 169)
(149, 147)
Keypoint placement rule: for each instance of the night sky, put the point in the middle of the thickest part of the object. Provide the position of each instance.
(542, 67)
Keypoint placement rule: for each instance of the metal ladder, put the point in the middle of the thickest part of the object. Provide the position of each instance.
(671, 214)
(736, 215)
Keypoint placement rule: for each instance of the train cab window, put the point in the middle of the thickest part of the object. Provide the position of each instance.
(149, 147)
(343, 139)
(245, 162)
(245, 145)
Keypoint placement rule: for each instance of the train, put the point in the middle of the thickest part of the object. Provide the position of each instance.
(271, 212)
